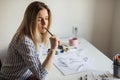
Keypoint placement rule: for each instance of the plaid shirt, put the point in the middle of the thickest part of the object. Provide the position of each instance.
(22, 61)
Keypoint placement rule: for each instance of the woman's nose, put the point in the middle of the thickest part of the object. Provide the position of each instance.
(43, 22)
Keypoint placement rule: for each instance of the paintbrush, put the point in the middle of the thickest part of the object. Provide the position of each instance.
(48, 31)
(52, 35)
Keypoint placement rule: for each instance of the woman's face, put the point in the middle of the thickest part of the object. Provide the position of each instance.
(42, 20)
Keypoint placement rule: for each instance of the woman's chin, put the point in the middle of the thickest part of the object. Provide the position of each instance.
(43, 32)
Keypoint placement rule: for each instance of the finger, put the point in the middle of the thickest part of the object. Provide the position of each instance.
(59, 42)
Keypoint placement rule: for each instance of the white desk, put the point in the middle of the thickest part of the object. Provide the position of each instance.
(101, 63)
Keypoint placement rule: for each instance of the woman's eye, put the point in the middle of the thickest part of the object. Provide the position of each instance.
(46, 18)
(39, 19)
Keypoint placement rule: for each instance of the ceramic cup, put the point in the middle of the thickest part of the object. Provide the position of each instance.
(73, 41)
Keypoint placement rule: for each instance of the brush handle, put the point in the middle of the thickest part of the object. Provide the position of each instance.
(49, 31)
(52, 35)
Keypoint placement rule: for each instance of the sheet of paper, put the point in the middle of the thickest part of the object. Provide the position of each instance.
(72, 62)
(96, 75)
(102, 75)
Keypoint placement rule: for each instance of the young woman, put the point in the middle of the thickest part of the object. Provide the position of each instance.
(22, 62)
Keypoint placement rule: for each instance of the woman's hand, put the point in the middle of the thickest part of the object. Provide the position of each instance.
(54, 41)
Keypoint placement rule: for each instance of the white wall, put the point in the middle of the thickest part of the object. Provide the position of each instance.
(102, 31)
(67, 13)
(94, 18)
(11, 13)
(115, 47)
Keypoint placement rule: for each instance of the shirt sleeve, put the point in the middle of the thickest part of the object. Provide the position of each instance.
(29, 55)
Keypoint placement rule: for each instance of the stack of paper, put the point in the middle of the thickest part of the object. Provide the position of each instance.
(72, 62)
(102, 75)
(96, 75)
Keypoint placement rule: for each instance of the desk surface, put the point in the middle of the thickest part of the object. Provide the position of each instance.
(100, 62)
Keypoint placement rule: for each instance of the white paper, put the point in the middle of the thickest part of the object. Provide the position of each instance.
(102, 75)
(72, 62)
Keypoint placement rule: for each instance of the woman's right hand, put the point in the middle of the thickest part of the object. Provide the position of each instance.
(54, 41)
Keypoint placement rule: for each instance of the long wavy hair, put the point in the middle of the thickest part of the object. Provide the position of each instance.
(28, 24)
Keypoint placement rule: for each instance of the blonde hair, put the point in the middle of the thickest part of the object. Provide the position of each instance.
(28, 24)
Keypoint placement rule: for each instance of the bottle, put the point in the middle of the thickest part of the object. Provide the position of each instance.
(116, 66)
